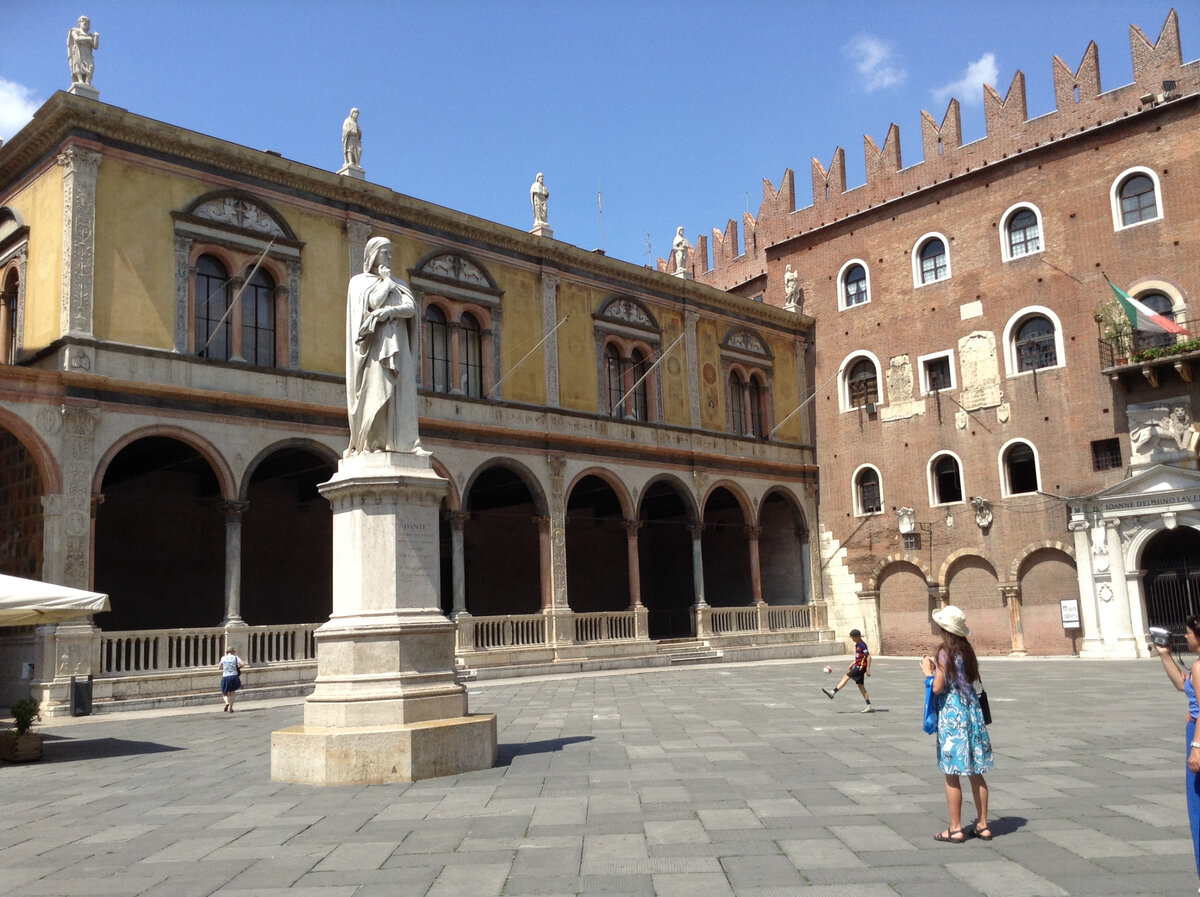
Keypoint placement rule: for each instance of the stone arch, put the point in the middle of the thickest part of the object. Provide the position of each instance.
(614, 482)
(749, 510)
(725, 546)
(317, 448)
(521, 471)
(208, 451)
(955, 556)
(678, 486)
(783, 548)
(597, 543)
(972, 583)
(1014, 570)
(47, 465)
(1047, 574)
(905, 603)
(453, 499)
(877, 570)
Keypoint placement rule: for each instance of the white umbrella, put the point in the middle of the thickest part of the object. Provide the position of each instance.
(28, 602)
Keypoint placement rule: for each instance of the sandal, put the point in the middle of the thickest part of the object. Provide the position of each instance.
(983, 834)
(951, 837)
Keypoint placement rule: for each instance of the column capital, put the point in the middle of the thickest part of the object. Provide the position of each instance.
(458, 519)
(696, 530)
(631, 527)
(234, 510)
(543, 523)
(754, 532)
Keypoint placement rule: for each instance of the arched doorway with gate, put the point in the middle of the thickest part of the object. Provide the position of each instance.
(1171, 577)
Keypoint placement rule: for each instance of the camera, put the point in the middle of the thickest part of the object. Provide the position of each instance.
(1160, 636)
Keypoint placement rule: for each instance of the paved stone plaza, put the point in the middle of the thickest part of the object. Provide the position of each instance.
(688, 782)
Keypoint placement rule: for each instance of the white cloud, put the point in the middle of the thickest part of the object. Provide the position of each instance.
(876, 61)
(17, 106)
(968, 89)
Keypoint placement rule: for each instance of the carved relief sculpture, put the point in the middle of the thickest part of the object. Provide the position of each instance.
(381, 385)
(983, 511)
(1160, 433)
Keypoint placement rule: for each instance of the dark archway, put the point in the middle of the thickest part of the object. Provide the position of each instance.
(21, 491)
(597, 550)
(783, 551)
(665, 559)
(287, 540)
(726, 548)
(501, 547)
(160, 538)
(1171, 582)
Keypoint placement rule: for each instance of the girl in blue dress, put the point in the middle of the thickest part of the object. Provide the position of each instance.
(962, 739)
(1186, 683)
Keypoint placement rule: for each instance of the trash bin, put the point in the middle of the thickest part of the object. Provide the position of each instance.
(81, 697)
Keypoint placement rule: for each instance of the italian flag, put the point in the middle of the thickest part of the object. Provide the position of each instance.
(1142, 317)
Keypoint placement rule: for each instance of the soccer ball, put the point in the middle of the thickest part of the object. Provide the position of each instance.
(829, 669)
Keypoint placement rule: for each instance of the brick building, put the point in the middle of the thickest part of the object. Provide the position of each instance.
(973, 416)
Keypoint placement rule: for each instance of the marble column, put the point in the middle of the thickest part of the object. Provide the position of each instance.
(634, 562)
(233, 561)
(697, 530)
(753, 533)
(1012, 596)
(458, 565)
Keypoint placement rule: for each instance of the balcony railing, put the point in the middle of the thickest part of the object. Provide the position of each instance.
(1141, 347)
(169, 650)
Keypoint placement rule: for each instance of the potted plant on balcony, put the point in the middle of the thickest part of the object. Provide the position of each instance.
(21, 743)
(1115, 329)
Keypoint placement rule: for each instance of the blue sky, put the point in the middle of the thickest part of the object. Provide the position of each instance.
(674, 111)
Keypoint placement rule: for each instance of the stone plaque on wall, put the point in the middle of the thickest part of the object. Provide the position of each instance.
(980, 370)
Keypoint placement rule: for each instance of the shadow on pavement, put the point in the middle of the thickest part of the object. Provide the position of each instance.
(506, 752)
(58, 749)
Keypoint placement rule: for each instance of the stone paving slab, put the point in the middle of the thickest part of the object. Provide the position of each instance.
(732, 780)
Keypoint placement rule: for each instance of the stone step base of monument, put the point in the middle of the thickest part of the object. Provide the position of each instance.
(314, 755)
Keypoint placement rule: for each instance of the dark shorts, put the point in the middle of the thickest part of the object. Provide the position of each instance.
(230, 683)
(856, 675)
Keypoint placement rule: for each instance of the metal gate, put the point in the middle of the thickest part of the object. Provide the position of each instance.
(1171, 581)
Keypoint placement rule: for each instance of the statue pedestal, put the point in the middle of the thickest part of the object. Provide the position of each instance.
(80, 89)
(351, 170)
(542, 230)
(387, 706)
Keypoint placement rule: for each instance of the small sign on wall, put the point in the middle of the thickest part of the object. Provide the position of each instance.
(1070, 613)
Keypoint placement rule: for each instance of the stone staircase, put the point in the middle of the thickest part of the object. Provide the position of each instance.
(688, 650)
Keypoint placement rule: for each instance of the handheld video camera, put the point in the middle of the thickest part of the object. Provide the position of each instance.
(1160, 636)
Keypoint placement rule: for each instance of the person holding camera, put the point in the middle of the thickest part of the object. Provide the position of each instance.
(963, 745)
(1186, 683)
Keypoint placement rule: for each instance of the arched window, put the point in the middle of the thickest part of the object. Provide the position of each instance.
(472, 356)
(868, 495)
(1139, 200)
(1020, 469)
(755, 415)
(935, 264)
(639, 398)
(947, 480)
(212, 302)
(1035, 344)
(862, 384)
(737, 404)
(1161, 303)
(1024, 234)
(615, 380)
(437, 347)
(258, 319)
(8, 318)
(854, 286)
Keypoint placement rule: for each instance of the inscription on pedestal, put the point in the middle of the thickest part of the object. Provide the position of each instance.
(416, 548)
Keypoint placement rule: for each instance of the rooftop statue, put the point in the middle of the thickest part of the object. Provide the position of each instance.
(539, 195)
(352, 139)
(80, 44)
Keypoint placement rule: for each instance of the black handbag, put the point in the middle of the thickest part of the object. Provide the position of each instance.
(983, 705)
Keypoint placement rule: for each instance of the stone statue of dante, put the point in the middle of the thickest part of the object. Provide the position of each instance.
(381, 380)
(352, 139)
(539, 195)
(679, 248)
(80, 44)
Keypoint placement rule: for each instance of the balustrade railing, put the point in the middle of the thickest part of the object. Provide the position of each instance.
(606, 626)
(162, 650)
(513, 631)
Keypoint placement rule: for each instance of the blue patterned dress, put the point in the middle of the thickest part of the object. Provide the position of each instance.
(963, 745)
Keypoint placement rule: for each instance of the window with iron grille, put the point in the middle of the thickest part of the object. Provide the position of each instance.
(912, 541)
(1106, 454)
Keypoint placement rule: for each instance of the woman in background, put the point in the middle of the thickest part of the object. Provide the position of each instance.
(962, 739)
